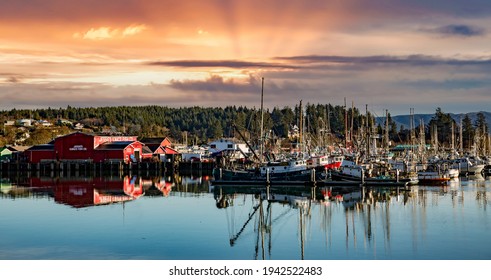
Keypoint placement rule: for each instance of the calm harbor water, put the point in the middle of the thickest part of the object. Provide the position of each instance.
(186, 218)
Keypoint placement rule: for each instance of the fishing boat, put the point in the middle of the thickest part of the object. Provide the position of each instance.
(351, 171)
(436, 175)
(288, 170)
(285, 170)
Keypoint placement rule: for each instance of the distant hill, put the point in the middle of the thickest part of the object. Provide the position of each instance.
(405, 119)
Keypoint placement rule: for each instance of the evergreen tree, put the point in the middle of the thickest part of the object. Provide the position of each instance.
(468, 132)
(443, 123)
(481, 124)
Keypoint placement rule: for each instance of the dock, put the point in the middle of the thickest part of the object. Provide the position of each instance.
(323, 183)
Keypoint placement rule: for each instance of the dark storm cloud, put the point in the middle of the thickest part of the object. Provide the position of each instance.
(235, 64)
(412, 60)
(450, 84)
(217, 84)
(458, 30)
(13, 80)
(11, 77)
(327, 62)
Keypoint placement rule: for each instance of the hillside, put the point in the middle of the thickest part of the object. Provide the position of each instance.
(404, 120)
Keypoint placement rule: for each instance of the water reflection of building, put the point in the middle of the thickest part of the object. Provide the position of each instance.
(83, 192)
(158, 186)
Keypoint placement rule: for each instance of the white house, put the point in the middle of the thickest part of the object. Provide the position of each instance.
(24, 122)
(229, 146)
(44, 123)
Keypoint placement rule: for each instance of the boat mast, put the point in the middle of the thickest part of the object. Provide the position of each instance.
(345, 125)
(261, 146)
(386, 134)
(452, 147)
(328, 124)
(352, 120)
(368, 135)
(301, 128)
(461, 140)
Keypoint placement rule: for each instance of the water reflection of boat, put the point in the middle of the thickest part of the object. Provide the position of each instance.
(299, 202)
(294, 201)
(273, 206)
(260, 220)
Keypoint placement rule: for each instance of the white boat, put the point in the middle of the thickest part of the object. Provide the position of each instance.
(453, 173)
(466, 166)
(432, 177)
(350, 170)
(435, 174)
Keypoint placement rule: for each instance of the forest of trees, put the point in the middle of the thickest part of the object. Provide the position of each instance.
(199, 125)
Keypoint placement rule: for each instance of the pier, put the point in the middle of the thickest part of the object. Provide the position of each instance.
(65, 168)
(321, 183)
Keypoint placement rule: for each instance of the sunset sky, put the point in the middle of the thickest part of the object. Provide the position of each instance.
(388, 54)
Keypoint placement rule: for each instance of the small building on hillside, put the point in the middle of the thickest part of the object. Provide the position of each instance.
(24, 122)
(64, 122)
(44, 123)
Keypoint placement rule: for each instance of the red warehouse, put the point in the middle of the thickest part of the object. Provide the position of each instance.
(80, 146)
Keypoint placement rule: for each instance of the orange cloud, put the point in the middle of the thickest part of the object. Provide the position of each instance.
(133, 30)
(105, 33)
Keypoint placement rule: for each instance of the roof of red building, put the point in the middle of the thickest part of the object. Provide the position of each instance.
(161, 141)
(42, 147)
(153, 140)
(115, 145)
(170, 151)
(17, 148)
(153, 147)
(146, 150)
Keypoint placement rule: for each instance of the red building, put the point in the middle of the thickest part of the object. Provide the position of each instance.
(160, 146)
(85, 147)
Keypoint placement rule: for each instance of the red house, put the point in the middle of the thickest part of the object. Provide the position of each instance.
(126, 151)
(160, 147)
